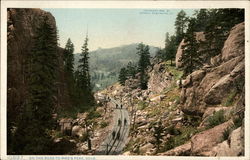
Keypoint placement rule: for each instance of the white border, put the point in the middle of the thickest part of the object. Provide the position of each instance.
(121, 4)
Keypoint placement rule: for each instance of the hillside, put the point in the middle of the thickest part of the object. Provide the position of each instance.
(105, 64)
(177, 116)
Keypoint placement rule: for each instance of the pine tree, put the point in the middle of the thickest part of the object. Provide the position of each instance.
(122, 76)
(131, 70)
(69, 70)
(171, 49)
(144, 62)
(158, 134)
(191, 57)
(84, 76)
(69, 56)
(219, 23)
(36, 120)
(202, 18)
(180, 26)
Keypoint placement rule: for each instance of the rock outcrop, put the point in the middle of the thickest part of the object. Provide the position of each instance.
(212, 85)
(203, 142)
(234, 146)
(160, 78)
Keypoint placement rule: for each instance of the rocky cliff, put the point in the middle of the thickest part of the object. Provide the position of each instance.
(22, 25)
(215, 83)
(181, 117)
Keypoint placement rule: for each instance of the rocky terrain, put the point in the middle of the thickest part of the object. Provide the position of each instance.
(176, 116)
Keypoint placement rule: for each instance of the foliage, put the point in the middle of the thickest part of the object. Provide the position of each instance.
(219, 23)
(171, 49)
(127, 72)
(174, 141)
(216, 119)
(83, 79)
(142, 105)
(32, 135)
(191, 58)
(158, 131)
(144, 62)
(93, 114)
(104, 124)
(180, 26)
(123, 76)
(230, 98)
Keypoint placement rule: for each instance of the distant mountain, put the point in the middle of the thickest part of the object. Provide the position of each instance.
(105, 64)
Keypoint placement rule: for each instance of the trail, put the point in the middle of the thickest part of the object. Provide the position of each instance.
(115, 146)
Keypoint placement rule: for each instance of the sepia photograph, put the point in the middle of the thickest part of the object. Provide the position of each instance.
(134, 81)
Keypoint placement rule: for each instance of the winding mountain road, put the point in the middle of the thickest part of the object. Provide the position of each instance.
(113, 145)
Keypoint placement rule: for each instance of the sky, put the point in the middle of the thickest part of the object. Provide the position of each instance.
(109, 28)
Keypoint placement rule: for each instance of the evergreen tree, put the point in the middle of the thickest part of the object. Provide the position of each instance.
(32, 135)
(131, 70)
(144, 62)
(219, 23)
(202, 18)
(160, 54)
(69, 70)
(69, 56)
(180, 26)
(191, 57)
(84, 83)
(122, 76)
(171, 49)
(158, 134)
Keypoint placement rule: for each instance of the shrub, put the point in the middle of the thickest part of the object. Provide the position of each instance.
(174, 141)
(142, 105)
(226, 133)
(94, 114)
(216, 119)
(230, 98)
(104, 124)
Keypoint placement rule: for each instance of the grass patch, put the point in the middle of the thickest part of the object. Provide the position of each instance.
(216, 119)
(104, 124)
(176, 73)
(229, 101)
(185, 134)
(226, 133)
(142, 105)
(155, 112)
(93, 114)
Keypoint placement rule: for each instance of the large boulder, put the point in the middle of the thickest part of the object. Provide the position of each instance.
(234, 146)
(182, 150)
(203, 142)
(77, 131)
(233, 45)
